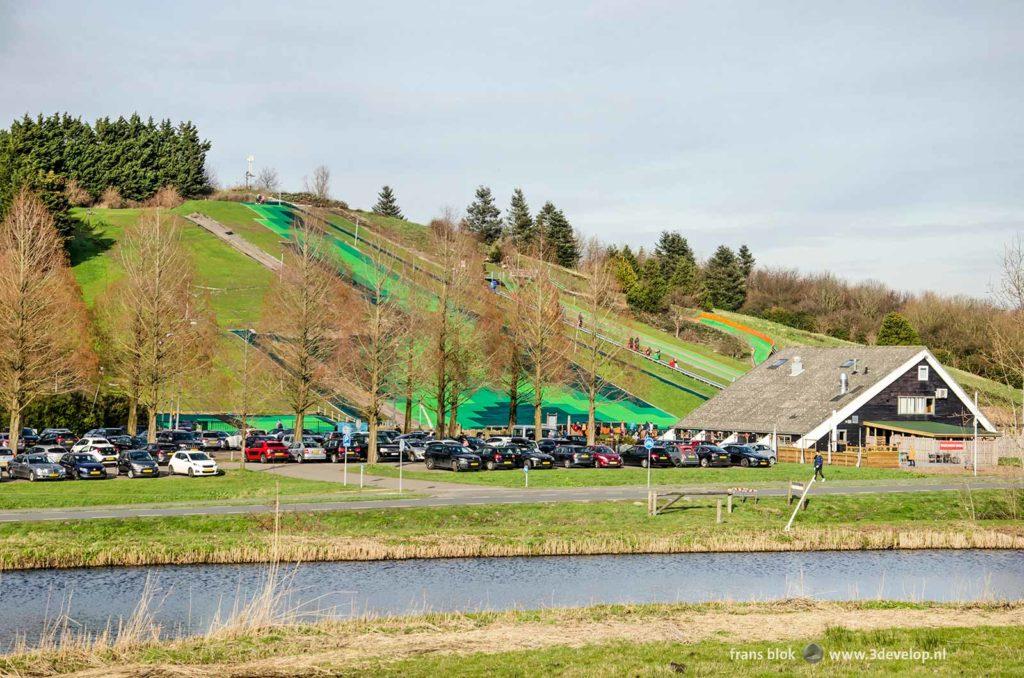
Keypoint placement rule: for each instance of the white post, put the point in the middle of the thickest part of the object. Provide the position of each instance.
(400, 455)
(344, 471)
(807, 488)
(975, 434)
(775, 441)
(361, 475)
(833, 437)
(648, 469)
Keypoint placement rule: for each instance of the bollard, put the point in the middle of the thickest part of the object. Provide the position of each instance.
(789, 493)
(729, 504)
(361, 476)
(718, 511)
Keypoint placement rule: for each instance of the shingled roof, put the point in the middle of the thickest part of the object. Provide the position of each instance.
(770, 396)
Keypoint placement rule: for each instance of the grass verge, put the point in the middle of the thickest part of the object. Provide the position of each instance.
(633, 475)
(986, 519)
(966, 639)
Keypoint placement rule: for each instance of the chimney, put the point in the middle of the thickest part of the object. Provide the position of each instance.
(844, 383)
(796, 366)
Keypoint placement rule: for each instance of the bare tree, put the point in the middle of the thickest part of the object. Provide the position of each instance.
(267, 180)
(43, 327)
(1010, 290)
(250, 381)
(375, 341)
(508, 358)
(320, 185)
(159, 330)
(304, 312)
(593, 356)
(540, 333)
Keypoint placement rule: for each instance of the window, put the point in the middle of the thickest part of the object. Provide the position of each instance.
(922, 373)
(841, 435)
(778, 363)
(915, 405)
(849, 363)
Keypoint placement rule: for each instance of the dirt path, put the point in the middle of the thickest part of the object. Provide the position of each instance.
(789, 620)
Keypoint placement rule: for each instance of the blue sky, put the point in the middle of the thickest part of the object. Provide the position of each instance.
(875, 140)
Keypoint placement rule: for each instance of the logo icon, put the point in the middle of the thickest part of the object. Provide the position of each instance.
(813, 653)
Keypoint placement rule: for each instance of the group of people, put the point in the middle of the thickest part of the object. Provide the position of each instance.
(633, 344)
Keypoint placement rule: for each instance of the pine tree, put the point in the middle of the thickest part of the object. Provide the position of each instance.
(483, 217)
(518, 222)
(724, 280)
(559, 240)
(746, 259)
(672, 251)
(387, 204)
(648, 295)
(896, 330)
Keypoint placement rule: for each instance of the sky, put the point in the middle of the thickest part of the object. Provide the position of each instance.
(874, 140)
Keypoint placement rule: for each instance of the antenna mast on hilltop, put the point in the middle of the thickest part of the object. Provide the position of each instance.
(248, 172)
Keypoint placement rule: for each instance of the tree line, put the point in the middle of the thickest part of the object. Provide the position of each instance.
(67, 161)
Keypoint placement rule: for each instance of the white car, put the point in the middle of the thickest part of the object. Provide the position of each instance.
(192, 464)
(99, 448)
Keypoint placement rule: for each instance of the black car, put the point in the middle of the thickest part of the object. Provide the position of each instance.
(573, 455)
(712, 455)
(638, 456)
(336, 451)
(105, 432)
(451, 455)
(122, 443)
(548, 445)
(57, 436)
(182, 440)
(28, 437)
(527, 454)
(161, 452)
(137, 464)
(745, 455)
(81, 466)
(493, 458)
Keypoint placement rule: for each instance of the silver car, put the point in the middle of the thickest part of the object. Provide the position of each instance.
(35, 467)
(6, 457)
(307, 450)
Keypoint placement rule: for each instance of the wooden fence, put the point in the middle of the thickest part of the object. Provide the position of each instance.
(871, 457)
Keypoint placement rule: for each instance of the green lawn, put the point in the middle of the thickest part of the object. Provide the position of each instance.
(239, 218)
(971, 651)
(864, 521)
(632, 475)
(235, 485)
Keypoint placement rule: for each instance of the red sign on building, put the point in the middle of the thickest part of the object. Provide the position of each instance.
(951, 446)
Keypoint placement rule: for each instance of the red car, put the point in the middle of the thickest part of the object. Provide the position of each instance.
(266, 450)
(605, 457)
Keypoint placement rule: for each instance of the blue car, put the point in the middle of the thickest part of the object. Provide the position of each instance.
(81, 466)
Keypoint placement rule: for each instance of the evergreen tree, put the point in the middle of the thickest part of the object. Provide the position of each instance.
(672, 251)
(896, 330)
(746, 259)
(648, 295)
(518, 222)
(483, 217)
(724, 280)
(387, 204)
(559, 239)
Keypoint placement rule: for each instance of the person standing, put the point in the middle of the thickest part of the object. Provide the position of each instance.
(819, 463)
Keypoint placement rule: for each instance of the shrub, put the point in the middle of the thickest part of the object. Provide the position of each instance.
(111, 199)
(76, 195)
(1009, 461)
(167, 197)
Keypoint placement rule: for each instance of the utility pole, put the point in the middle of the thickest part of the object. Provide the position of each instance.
(248, 172)
(975, 433)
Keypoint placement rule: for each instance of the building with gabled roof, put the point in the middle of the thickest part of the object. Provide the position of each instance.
(812, 397)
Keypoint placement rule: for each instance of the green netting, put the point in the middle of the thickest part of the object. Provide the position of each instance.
(762, 349)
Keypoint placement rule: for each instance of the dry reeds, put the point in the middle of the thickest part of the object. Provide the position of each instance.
(111, 199)
(76, 195)
(167, 198)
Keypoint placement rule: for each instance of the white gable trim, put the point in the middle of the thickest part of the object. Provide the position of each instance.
(815, 434)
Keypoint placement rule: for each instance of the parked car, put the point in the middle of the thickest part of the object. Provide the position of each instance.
(415, 445)
(192, 464)
(307, 449)
(745, 455)
(56, 436)
(28, 438)
(766, 449)
(99, 448)
(683, 454)
(712, 455)
(35, 467)
(335, 451)
(548, 445)
(451, 455)
(81, 466)
(638, 455)
(605, 457)
(137, 464)
(266, 450)
(6, 457)
(161, 452)
(493, 458)
(122, 443)
(184, 440)
(52, 452)
(105, 432)
(527, 454)
(572, 455)
(216, 440)
(388, 448)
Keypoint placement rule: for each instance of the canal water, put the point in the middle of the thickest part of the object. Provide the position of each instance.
(187, 599)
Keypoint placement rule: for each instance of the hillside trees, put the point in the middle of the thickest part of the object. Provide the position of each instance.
(483, 217)
(305, 309)
(896, 330)
(135, 157)
(724, 280)
(746, 261)
(43, 327)
(519, 224)
(557, 240)
(267, 180)
(387, 204)
(158, 330)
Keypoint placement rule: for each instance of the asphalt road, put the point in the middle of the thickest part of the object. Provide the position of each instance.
(430, 493)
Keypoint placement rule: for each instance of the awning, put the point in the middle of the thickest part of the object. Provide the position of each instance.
(928, 429)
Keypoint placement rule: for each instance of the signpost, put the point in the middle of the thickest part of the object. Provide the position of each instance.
(346, 441)
(649, 445)
(526, 473)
